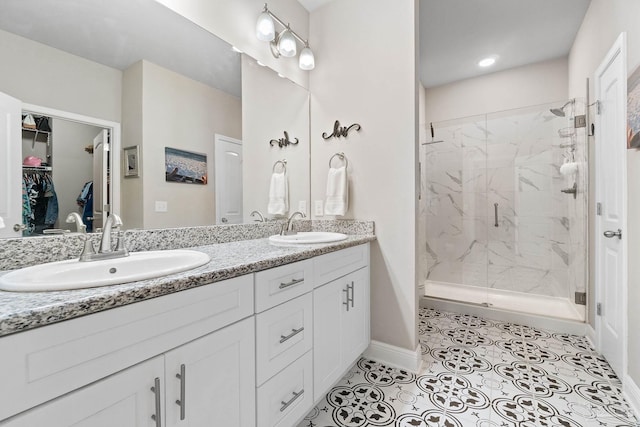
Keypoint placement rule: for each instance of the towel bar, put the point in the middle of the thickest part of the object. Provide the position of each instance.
(342, 157)
(282, 162)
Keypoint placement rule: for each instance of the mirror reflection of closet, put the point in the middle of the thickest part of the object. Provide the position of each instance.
(63, 166)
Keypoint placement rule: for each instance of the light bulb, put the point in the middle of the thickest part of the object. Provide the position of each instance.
(265, 29)
(287, 44)
(306, 60)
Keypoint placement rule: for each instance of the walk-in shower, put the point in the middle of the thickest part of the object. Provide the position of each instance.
(504, 211)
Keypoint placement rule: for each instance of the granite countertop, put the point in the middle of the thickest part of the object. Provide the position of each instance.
(20, 311)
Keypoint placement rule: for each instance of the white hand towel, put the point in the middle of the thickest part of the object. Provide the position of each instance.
(278, 194)
(337, 201)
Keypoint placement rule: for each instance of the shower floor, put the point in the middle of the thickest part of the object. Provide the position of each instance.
(541, 305)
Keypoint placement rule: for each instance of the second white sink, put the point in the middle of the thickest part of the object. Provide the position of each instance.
(73, 274)
(306, 238)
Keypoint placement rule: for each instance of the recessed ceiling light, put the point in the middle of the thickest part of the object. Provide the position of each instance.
(487, 62)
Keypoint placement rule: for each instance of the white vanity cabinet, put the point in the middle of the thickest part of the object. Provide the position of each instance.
(257, 350)
(45, 363)
(341, 310)
(215, 382)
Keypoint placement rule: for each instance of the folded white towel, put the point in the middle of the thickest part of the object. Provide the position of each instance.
(569, 168)
(278, 194)
(337, 201)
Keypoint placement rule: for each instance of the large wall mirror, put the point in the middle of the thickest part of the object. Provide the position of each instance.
(200, 124)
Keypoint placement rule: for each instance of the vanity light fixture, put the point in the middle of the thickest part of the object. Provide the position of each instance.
(488, 61)
(283, 43)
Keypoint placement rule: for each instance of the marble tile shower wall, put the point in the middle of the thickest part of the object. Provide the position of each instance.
(513, 161)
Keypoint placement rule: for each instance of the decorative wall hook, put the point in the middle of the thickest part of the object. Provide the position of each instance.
(283, 142)
(340, 131)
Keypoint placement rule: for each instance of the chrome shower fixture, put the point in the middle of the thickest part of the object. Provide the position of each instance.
(560, 111)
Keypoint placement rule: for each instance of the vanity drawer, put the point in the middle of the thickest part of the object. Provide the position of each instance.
(283, 334)
(280, 284)
(333, 265)
(43, 363)
(287, 397)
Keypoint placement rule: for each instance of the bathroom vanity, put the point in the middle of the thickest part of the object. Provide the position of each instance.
(253, 342)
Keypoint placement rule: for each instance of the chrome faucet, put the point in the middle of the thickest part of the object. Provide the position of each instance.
(261, 217)
(75, 217)
(105, 251)
(287, 228)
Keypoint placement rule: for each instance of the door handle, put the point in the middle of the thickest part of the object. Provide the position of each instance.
(224, 220)
(293, 333)
(19, 227)
(346, 291)
(495, 213)
(610, 234)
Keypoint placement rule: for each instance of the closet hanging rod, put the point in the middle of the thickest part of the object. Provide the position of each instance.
(282, 162)
(342, 157)
(37, 168)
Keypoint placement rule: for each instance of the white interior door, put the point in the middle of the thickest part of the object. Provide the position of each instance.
(228, 176)
(611, 188)
(100, 180)
(10, 166)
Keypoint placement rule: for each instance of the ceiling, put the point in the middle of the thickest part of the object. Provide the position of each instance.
(456, 34)
(118, 33)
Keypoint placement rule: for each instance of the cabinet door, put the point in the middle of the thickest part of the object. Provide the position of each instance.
(328, 305)
(124, 400)
(213, 379)
(355, 321)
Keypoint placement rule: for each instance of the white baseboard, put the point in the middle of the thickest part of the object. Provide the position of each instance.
(395, 356)
(590, 334)
(631, 392)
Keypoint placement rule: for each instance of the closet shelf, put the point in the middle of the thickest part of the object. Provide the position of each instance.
(37, 168)
(37, 132)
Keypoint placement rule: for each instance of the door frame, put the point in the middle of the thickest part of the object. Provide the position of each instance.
(619, 48)
(115, 143)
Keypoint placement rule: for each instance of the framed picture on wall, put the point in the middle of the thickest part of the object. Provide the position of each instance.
(633, 109)
(185, 166)
(131, 160)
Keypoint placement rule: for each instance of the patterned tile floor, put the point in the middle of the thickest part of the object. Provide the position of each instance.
(481, 373)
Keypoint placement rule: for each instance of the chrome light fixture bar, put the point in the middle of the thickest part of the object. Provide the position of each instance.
(284, 42)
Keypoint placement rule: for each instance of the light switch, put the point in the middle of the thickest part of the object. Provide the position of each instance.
(161, 206)
(319, 210)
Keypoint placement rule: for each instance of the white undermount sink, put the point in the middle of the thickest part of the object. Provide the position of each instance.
(306, 238)
(73, 274)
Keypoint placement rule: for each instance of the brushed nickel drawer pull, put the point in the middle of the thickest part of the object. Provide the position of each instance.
(156, 390)
(183, 381)
(346, 291)
(293, 333)
(285, 405)
(291, 283)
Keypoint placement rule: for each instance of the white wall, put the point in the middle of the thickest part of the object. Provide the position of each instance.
(178, 112)
(38, 74)
(533, 84)
(366, 73)
(272, 105)
(72, 165)
(235, 22)
(132, 211)
(604, 21)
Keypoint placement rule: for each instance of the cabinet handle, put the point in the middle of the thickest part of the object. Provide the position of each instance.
(291, 283)
(156, 390)
(293, 333)
(285, 405)
(346, 291)
(352, 293)
(183, 382)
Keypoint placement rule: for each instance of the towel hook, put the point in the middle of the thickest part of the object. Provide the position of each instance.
(282, 162)
(342, 157)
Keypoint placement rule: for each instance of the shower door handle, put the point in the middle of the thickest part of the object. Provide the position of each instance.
(495, 213)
